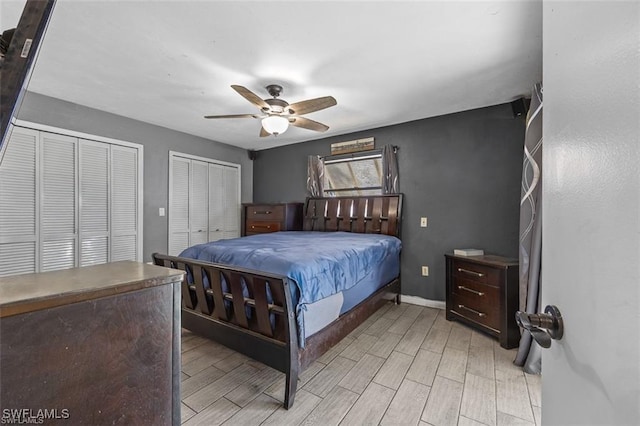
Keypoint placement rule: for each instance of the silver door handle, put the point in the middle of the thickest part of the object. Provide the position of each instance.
(543, 327)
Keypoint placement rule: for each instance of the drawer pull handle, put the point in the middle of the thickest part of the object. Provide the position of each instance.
(260, 226)
(479, 293)
(466, 271)
(480, 314)
(262, 212)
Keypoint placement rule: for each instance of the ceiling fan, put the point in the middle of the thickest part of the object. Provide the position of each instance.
(277, 114)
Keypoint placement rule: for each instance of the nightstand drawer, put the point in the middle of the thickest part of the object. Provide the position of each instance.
(483, 293)
(265, 212)
(261, 227)
(475, 272)
(475, 309)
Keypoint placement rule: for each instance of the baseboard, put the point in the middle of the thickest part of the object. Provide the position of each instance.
(415, 300)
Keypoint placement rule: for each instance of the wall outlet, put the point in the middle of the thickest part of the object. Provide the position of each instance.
(425, 271)
(423, 222)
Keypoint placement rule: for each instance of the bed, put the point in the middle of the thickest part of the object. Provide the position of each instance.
(244, 293)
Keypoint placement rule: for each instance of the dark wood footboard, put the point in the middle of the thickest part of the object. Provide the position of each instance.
(248, 311)
(260, 323)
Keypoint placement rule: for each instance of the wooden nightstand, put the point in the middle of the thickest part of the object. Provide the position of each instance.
(482, 291)
(264, 218)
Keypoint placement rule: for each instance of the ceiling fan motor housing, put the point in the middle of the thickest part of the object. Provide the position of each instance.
(277, 105)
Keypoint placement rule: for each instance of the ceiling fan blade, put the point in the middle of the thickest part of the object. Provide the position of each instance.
(233, 116)
(311, 105)
(263, 132)
(306, 123)
(251, 97)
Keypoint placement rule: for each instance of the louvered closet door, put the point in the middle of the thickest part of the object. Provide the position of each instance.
(94, 202)
(58, 237)
(199, 207)
(216, 202)
(179, 205)
(231, 180)
(124, 203)
(18, 207)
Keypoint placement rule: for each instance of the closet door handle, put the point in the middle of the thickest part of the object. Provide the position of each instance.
(478, 293)
(466, 271)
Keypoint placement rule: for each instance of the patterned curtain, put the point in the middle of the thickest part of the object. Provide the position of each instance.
(315, 175)
(529, 355)
(390, 183)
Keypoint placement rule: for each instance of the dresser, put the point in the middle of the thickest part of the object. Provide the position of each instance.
(97, 345)
(482, 291)
(264, 218)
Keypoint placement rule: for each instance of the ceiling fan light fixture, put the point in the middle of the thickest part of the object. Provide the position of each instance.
(275, 124)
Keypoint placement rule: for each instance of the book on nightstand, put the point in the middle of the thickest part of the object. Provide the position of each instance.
(468, 252)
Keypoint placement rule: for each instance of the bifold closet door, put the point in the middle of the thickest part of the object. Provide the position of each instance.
(224, 202)
(125, 226)
(199, 205)
(94, 202)
(231, 184)
(204, 201)
(18, 204)
(180, 169)
(58, 210)
(67, 202)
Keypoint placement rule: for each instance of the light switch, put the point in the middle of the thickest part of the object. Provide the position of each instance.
(425, 271)
(423, 222)
(161, 211)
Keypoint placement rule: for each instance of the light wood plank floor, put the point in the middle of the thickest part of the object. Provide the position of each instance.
(406, 365)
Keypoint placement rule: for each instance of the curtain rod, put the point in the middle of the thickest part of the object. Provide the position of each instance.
(358, 154)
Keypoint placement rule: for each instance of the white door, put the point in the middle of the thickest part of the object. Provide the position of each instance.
(19, 204)
(231, 179)
(125, 218)
(58, 215)
(179, 170)
(591, 212)
(216, 202)
(93, 166)
(199, 197)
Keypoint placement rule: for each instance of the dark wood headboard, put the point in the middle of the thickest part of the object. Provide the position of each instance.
(376, 214)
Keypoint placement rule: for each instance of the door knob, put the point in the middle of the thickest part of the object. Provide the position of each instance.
(543, 327)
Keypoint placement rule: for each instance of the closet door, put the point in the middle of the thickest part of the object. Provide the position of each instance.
(231, 185)
(18, 204)
(216, 202)
(58, 214)
(94, 202)
(199, 206)
(124, 204)
(179, 205)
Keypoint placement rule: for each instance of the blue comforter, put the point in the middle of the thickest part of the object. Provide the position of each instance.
(320, 263)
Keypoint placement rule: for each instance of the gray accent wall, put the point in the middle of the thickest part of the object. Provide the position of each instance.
(462, 171)
(157, 142)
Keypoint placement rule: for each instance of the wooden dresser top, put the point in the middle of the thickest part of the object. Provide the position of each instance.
(32, 292)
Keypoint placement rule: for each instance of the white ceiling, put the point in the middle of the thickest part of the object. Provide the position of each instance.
(385, 62)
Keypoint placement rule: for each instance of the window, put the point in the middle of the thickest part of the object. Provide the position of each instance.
(353, 174)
